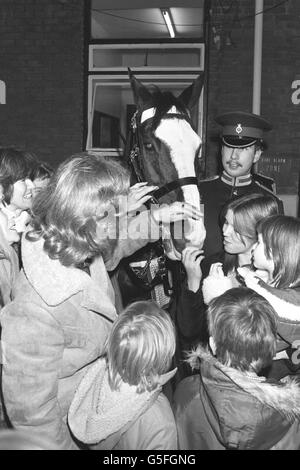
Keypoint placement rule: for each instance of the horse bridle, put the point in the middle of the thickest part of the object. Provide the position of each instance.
(135, 149)
(134, 158)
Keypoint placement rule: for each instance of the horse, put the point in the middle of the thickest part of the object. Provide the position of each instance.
(161, 149)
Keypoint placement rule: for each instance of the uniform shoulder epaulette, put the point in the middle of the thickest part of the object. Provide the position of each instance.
(266, 188)
(279, 201)
(211, 178)
(269, 178)
(265, 181)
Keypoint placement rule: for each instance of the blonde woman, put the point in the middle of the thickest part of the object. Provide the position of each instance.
(64, 304)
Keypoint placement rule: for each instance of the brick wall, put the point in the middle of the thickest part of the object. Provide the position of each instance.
(231, 81)
(41, 62)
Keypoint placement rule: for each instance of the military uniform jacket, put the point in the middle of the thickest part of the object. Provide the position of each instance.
(215, 194)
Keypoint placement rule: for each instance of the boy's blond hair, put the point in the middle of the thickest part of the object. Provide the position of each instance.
(140, 346)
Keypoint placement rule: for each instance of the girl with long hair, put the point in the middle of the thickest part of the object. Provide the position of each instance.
(277, 254)
(240, 218)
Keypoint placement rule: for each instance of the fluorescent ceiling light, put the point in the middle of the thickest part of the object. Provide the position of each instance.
(167, 17)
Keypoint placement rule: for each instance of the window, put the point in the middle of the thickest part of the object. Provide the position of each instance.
(110, 100)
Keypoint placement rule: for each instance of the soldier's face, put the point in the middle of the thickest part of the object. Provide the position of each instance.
(238, 161)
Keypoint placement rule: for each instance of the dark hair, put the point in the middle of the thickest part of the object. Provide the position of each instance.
(15, 165)
(72, 213)
(243, 326)
(261, 144)
(247, 211)
(281, 237)
(42, 171)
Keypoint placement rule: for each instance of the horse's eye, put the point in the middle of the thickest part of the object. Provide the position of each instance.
(148, 146)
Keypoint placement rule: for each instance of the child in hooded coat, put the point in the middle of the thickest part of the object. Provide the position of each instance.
(119, 404)
(227, 404)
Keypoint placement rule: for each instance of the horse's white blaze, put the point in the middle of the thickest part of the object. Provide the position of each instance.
(183, 143)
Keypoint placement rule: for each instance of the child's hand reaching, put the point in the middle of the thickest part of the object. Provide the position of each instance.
(191, 259)
(216, 270)
(249, 276)
(216, 283)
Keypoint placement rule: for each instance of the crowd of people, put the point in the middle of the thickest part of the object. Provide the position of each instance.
(80, 372)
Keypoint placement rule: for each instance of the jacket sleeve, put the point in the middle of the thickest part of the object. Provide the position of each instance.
(32, 349)
(135, 234)
(191, 315)
(194, 430)
(155, 429)
(288, 313)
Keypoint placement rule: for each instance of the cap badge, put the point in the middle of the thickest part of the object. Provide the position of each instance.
(239, 129)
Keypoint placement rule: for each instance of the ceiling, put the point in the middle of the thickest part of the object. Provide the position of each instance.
(142, 19)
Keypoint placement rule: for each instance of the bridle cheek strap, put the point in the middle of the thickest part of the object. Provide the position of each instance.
(134, 149)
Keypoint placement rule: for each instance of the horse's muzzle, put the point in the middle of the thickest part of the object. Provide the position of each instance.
(181, 235)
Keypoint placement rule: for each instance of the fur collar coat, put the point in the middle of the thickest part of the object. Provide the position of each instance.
(223, 408)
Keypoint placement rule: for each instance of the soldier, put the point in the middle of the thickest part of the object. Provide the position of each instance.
(242, 146)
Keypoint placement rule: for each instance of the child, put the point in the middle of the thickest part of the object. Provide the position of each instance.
(277, 253)
(119, 404)
(227, 405)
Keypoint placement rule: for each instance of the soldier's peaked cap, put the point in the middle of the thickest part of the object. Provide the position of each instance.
(242, 129)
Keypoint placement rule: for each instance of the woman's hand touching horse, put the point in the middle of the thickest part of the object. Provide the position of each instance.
(170, 213)
(139, 193)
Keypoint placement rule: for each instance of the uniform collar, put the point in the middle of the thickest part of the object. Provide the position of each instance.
(239, 181)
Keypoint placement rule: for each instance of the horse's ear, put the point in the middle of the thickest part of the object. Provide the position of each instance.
(142, 97)
(191, 94)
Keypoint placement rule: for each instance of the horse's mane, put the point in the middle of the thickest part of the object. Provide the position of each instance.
(163, 101)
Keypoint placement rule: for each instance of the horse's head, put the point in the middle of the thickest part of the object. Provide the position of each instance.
(168, 146)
